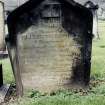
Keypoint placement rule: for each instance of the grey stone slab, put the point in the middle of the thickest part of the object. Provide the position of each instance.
(3, 91)
(50, 45)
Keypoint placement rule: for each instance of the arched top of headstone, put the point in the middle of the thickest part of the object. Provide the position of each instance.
(91, 5)
(14, 17)
(82, 2)
(33, 3)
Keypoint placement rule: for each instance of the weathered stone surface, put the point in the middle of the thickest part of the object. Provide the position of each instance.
(1, 26)
(47, 52)
(3, 92)
(50, 42)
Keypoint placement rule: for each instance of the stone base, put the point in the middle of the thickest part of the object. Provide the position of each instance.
(3, 91)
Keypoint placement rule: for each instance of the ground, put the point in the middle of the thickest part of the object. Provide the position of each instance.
(95, 95)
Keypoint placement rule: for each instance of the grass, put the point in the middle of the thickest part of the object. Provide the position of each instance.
(7, 72)
(98, 54)
(94, 96)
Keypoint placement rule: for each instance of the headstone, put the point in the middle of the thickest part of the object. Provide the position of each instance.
(101, 13)
(1, 26)
(94, 8)
(49, 45)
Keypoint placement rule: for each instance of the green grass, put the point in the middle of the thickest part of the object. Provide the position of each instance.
(98, 54)
(94, 96)
(88, 100)
(8, 77)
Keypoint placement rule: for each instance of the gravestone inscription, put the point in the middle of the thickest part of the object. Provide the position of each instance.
(50, 43)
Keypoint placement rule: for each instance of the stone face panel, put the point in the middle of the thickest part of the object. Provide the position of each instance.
(47, 52)
(52, 43)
